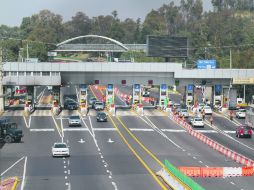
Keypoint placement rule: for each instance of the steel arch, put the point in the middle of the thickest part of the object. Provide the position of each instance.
(94, 36)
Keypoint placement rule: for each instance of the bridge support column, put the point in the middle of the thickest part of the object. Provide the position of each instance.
(1, 99)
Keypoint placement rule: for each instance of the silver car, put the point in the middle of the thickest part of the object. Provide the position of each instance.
(74, 120)
(98, 105)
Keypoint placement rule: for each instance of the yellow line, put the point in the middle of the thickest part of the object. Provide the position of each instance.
(139, 158)
(150, 153)
(15, 183)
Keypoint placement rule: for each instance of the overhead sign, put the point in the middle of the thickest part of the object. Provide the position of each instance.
(110, 87)
(206, 64)
(136, 87)
(243, 80)
(190, 87)
(163, 87)
(218, 88)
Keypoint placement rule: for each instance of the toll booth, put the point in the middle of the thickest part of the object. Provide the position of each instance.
(110, 94)
(163, 95)
(83, 95)
(56, 94)
(136, 94)
(218, 97)
(190, 95)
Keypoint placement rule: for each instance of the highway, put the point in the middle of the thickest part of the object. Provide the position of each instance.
(116, 154)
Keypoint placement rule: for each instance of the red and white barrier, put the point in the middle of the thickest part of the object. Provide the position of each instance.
(215, 145)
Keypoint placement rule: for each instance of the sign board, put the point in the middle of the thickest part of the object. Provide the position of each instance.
(243, 80)
(218, 88)
(52, 54)
(163, 87)
(110, 87)
(190, 87)
(136, 87)
(32, 60)
(206, 64)
(82, 86)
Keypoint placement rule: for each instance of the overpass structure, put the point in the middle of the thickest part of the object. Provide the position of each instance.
(57, 73)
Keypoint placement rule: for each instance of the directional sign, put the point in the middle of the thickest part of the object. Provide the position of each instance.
(137, 87)
(190, 87)
(163, 87)
(218, 88)
(110, 87)
(206, 64)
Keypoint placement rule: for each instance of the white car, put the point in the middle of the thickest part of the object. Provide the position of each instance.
(60, 149)
(184, 113)
(98, 105)
(208, 110)
(241, 113)
(74, 120)
(197, 122)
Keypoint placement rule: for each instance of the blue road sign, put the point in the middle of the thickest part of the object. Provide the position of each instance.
(137, 87)
(190, 87)
(163, 87)
(206, 64)
(218, 88)
(110, 87)
(83, 86)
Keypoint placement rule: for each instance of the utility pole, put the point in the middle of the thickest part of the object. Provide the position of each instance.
(230, 59)
(1, 80)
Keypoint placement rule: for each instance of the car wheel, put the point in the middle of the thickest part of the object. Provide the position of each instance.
(8, 139)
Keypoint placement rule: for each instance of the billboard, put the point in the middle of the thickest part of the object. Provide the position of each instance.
(206, 64)
(166, 46)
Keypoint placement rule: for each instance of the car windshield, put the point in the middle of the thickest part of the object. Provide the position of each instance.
(184, 110)
(99, 103)
(60, 146)
(101, 114)
(74, 117)
(242, 110)
(198, 119)
(207, 107)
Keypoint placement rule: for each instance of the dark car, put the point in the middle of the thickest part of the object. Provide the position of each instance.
(101, 116)
(244, 131)
(70, 105)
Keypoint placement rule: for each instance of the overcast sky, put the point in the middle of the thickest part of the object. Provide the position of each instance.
(12, 11)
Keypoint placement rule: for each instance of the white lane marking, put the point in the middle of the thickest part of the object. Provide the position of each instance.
(114, 185)
(65, 177)
(81, 141)
(92, 129)
(232, 183)
(12, 166)
(42, 95)
(86, 126)
(200, 161)
(65, 172)
(77, 93)
(69, 172)
(151, 124)
(138, 129)
(29, 122)
(57, 127)
(174, 130)
(104, 129)
(25, 122)
(41, 130)
(231, 132)
(75, 129)
(194, 157)
(223, 133)
(222, 115)
(62, 126)
(24, 175)
(206, 166)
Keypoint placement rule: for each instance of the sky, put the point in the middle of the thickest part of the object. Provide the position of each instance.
(12, 11)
